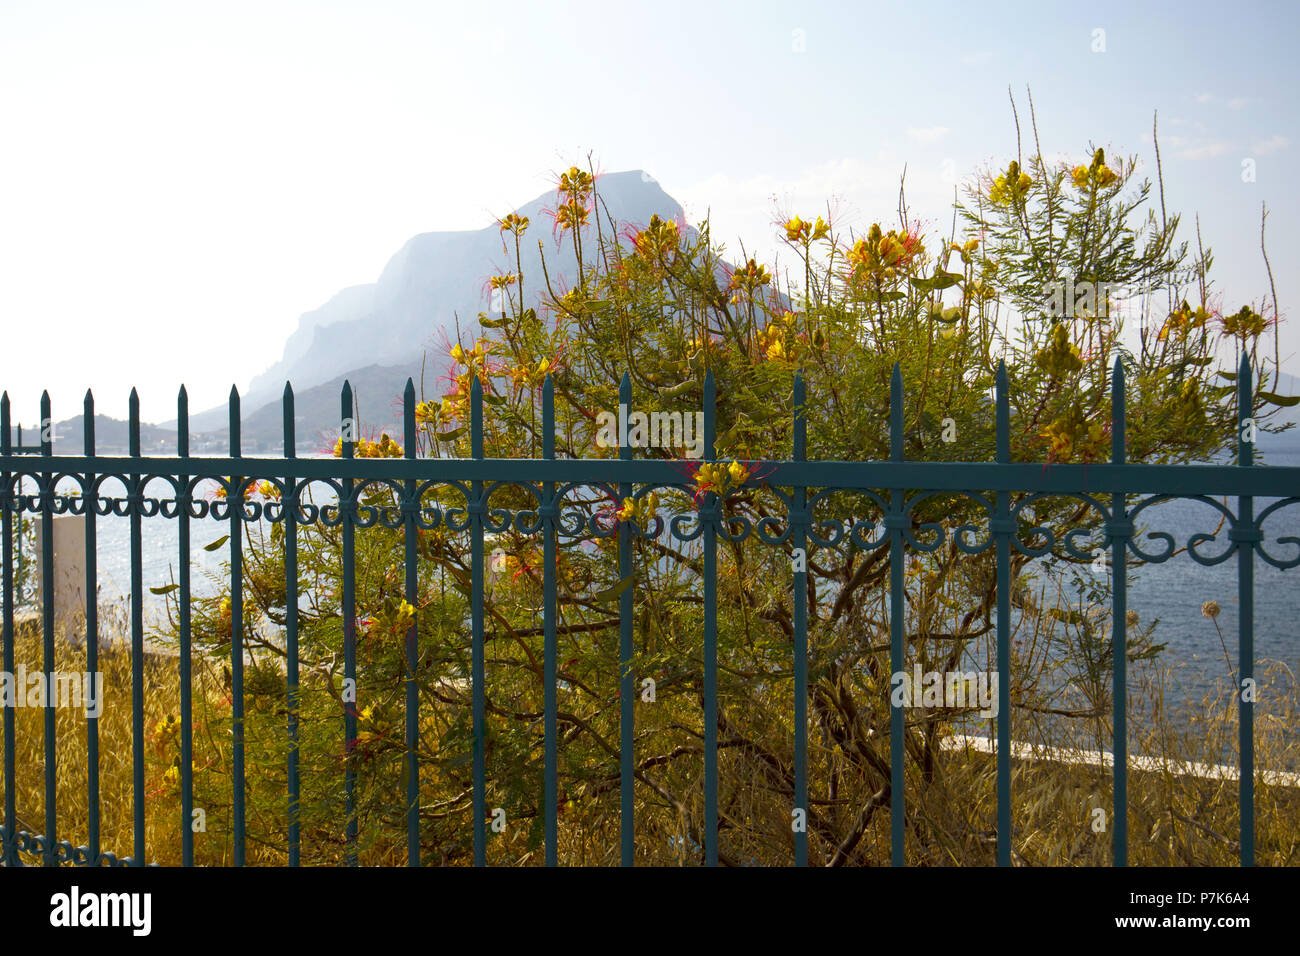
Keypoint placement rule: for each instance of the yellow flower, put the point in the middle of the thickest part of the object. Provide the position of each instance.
(1095, 176)
(1060, 444)
(771, 341)
(706, 479)
(365, 448)
(248, 492)
(572, 215)
(576, 182)
(720, 478)
(1183, 320)
(540, 371)
(750, 277)
(1061, 356)
(796, 230)
(1071, 436)
(639, 509)
(473, 357)
(514, 223)
(426, 413)
(657, 240)
(883, 255)
(1011, 185)
(166, 725)
(1244, 324)
(776, 351)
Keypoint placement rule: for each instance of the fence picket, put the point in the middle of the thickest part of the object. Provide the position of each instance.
(92, 636)
(234, 503)
(289, 506)
(799, 524)
(478, 677)
(625, 624)
(347, 507)
(1003, 527)
(10, 842)
(708, 516)
(50, 856)
(1119, 529)
(895, 521)
(412, 596)
(550, 604)
(1246, 536)
(184, 624)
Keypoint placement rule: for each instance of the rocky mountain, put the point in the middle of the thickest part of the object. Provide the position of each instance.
(435, 279)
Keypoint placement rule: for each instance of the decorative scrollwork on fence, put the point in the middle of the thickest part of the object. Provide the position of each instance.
(1283, 563)
(580, 510)
(1194, 541)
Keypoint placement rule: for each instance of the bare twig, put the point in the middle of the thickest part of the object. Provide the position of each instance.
(1277, 319)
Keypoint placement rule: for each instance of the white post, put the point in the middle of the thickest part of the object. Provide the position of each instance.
(69, 573)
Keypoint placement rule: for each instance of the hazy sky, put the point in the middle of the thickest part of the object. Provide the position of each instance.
(179, 181)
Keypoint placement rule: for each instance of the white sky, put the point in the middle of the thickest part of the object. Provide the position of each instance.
(179, 181)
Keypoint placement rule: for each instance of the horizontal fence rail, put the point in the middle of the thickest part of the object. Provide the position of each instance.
(1117, 493)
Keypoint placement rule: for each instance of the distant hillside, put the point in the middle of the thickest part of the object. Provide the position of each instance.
(377, 392)
(111, 437)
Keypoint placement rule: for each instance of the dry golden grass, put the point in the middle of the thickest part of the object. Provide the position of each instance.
(1175, 818)
(116, 799)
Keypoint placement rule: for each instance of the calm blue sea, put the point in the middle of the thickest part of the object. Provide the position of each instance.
(1174, 591)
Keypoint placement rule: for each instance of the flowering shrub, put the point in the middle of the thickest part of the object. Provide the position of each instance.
(664, 306)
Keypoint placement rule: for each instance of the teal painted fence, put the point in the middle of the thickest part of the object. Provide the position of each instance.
(1118, 492)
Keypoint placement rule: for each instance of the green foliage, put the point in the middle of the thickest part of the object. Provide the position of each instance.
(664, 307)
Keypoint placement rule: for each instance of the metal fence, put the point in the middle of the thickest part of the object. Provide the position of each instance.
(1117, 492)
